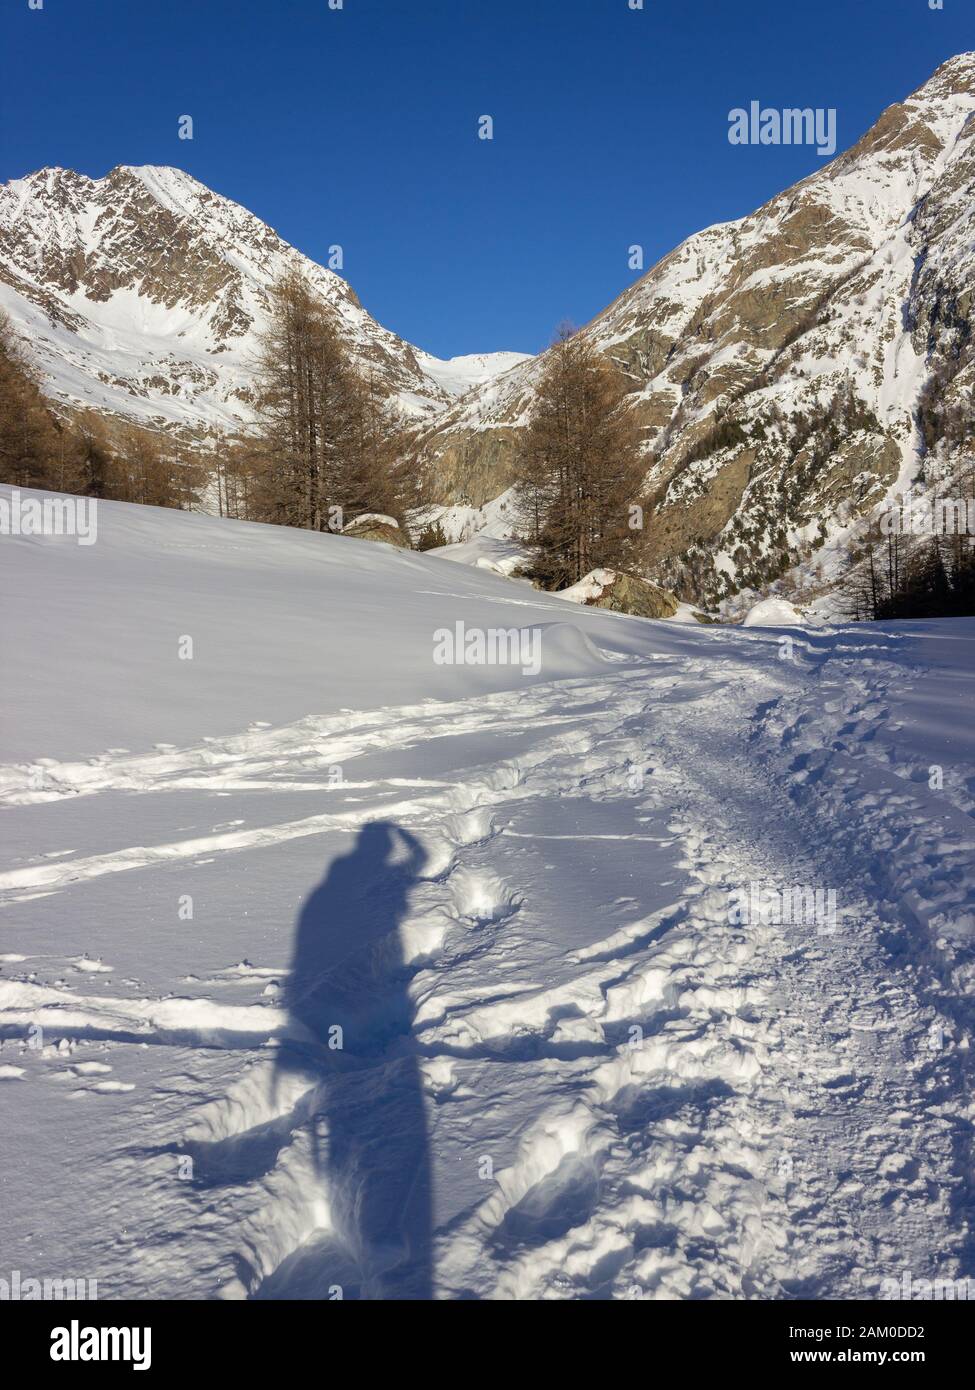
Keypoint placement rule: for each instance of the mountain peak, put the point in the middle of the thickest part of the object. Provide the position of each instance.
(143, 293)
(956, 74)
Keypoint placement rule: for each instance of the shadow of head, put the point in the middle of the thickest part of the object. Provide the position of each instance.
(347, 969)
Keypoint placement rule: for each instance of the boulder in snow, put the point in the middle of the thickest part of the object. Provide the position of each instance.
(622, 593)
(371, 526)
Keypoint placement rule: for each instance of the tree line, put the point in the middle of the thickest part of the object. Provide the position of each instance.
(917, 560)
(892, 576)
(85, 454)
(326, 445)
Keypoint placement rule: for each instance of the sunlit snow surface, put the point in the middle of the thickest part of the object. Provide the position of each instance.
(566, 1072)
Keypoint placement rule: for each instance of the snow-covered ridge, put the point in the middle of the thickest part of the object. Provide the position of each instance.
(143, 294)
(458, 375)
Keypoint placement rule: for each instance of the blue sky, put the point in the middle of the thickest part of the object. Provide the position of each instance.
(359, 127)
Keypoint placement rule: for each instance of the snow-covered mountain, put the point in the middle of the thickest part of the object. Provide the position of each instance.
(789, 370)
(142, 294)
(457, 375)
(778, 362)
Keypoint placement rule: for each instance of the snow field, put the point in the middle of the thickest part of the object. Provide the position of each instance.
(568, 1072)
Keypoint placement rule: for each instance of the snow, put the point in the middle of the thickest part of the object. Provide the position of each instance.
(773, 612)
(590, 586)
(567, 1070)
(377, 518)
(482, 536)
(684, 614)
(458, 375)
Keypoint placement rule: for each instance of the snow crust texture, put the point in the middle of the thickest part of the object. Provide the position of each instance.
(567, 1069)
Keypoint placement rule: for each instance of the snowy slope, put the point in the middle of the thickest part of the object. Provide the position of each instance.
(144, 293)
(567, 1071)
(458, 375)
(484, 536)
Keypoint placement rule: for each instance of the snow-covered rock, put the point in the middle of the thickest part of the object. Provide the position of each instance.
(378, 517)
(773, 612)
(621, 593)
(372, 526)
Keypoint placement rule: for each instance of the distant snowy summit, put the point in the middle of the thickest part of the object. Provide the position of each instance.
(143, 294)
(458, 375)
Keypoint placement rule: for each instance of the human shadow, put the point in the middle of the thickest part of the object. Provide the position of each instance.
(349, 1015)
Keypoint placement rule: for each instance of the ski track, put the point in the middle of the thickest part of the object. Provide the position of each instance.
(702, 1109)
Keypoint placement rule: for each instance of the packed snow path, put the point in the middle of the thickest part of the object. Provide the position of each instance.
(567, 1069)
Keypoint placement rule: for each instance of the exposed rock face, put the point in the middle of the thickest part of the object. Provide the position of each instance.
(623, 593)
(778, 363)
(371, 527)
(143, 294)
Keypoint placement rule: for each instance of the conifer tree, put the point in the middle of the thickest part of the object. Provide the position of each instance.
(28, 439)
(327, 447)
(579, 466)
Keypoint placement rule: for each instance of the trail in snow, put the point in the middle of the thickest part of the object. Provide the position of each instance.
(669, 1105)
(567, 1069)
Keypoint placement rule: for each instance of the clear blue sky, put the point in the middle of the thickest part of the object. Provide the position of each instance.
(359, 127)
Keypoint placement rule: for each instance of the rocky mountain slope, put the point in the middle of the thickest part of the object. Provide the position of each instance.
(788, 369)
(143, 293)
